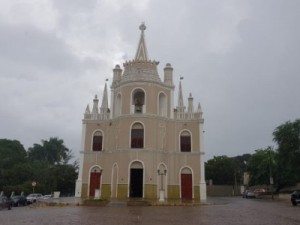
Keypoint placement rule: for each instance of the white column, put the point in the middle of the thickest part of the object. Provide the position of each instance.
(172, 104)
(202, 167)
(112, 104)
(79, 180)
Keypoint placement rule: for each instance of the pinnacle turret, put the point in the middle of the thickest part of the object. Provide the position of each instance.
(180, 106)
(95, 108)
(104, 110)
(190, 106)
(199, 108)
(104, 104)
(87, 110)
(180, 96)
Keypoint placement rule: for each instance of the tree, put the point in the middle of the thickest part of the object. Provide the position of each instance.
(65, 177)
(241, 162)
(225, 170)
(220, 169)
(53, 152)
(12, 163)
(51, 170)
(287, 137)
(261, 166)
(45, 163)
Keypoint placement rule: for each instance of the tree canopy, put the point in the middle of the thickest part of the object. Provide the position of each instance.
(220, 169)
(225, 170)
(261, 166)
(12, 162)
(287, 137)
(46, 163)
(281, 164)
(53, 151)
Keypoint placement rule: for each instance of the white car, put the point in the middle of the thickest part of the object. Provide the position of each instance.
(248, 194)
(32, 198)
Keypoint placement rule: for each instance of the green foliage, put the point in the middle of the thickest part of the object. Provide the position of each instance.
(52, 171)
(226, 171)
(287, 136)
(52, 152)
(261, 166)
(65, 176)
(12, 159)
(221, 170)
(47, 164)
(11, 151)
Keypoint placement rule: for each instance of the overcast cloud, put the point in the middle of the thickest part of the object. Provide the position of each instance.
(239, 59)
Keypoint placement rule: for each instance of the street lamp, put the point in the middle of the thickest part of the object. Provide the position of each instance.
(162, 173)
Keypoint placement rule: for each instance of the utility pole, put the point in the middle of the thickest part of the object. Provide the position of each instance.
(271, 176)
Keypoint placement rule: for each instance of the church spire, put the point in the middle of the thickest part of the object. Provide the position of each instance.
(142, 53)
(104, 110)
(104, 104)
(180, 96)
(180, 106)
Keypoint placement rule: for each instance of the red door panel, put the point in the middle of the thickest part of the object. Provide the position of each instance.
(186, 186)
(94, 182)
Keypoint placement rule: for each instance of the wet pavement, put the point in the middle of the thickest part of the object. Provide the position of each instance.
(231, 210)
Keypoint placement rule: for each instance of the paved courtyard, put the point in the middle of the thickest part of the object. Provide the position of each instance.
(227, 211)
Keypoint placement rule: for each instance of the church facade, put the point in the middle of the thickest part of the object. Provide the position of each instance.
(142, 146)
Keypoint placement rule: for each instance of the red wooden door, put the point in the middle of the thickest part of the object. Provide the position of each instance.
(94, 182)
(186, 186)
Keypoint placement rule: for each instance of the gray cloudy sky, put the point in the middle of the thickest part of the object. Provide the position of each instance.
(239, 59)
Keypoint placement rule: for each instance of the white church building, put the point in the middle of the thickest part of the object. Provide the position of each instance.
(138, 144)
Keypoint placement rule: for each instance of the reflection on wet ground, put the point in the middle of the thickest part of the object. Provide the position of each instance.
(229, 211)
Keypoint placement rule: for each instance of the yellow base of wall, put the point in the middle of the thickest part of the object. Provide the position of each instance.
(150, 191)
(196, 192)
(84, 193)
(122, 191)
(173, 192)
(105, 191)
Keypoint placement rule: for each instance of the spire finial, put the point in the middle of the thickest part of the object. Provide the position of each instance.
(141, 53)
(142, 27)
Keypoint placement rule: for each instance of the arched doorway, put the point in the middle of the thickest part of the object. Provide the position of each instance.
(95, 179)
(136, 180)
(186, 184)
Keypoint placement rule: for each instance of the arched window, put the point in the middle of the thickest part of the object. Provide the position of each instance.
(162, 104)
(137, 136)
(185, 141)
(118, 105)
(138, 100)
(97, 141)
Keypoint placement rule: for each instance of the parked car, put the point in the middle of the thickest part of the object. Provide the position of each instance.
(47, 196)
(32, 198)
(295, 197)
(248, 194)
(18, 200)
(5, 203)
(259, 191)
